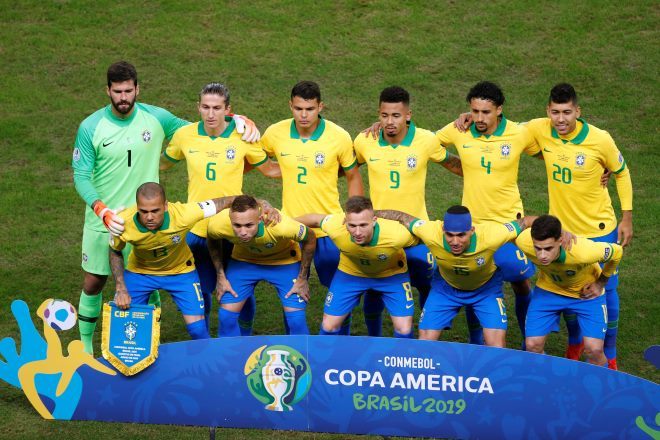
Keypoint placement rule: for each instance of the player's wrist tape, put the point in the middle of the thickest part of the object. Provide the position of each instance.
(100, 208)
(208, 206)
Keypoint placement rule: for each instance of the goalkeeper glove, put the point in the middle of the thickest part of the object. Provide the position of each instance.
(112, 222)
(246, 127)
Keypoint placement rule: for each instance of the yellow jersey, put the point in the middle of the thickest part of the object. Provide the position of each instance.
(382, 257)
(574, 269)
(309, 166)
(490, 168)
(574, 166)
(215, 163)
(397, 173)
(475, 266)
(163, 251)
(273, 244)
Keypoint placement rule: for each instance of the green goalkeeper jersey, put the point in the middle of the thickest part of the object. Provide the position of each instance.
(112, 157)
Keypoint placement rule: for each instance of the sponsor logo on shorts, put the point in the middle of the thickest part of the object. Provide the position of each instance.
(146, 136)
(328, 299)
(409, 306)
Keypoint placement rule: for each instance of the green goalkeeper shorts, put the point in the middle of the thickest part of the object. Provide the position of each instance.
(95, 252)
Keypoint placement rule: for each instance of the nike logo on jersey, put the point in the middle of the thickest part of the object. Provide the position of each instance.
(546, 150)
(105, 144)
(371, 159)
(467, 146)
(191, 151)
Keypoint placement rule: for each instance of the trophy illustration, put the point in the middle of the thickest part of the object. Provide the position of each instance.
(279, 377)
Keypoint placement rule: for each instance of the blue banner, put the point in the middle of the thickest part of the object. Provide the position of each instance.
(355, 385)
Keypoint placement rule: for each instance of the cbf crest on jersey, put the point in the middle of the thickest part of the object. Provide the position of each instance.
(411, 162)
(230, 154)
(278, 376)
(176, 239)
(146, 136)
(319, 159)
(481, 261)
(505, 151)
(382, 257)
(580, 160)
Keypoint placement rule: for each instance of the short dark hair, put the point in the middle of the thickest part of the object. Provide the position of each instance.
(394, 94)
(150, 190)
(458, 209)
(546, 226)
(357, 204)
(306, 90)
(486, 90)
(244, 202)
(563, 93)
(122, 71)
(215, 88)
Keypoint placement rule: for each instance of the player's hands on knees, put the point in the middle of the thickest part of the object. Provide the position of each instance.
(223, 285)
(301, 288)
(567, 239)
(112, 222)
(374, 131)
(592, 290)
(247, 128)
(463, 122)
(122, 299)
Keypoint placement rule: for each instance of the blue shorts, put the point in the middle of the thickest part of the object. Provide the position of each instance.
(445, 301)
(545, 308)
(245, 276)
(326, 260)
(421, 266)
(345, 291)
(184, 288)
(203, 262)
(612, 237)
(513, 263)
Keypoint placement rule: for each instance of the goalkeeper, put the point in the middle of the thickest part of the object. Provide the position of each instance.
(117, 148)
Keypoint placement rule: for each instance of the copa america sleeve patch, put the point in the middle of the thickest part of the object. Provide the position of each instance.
(208, 206)
(302, 233)
(608, 254)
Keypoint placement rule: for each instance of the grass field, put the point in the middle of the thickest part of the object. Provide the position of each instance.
(52, 75)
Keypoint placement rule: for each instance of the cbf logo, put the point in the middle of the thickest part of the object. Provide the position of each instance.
(481, 261)
(505, 150)
(230, 154)
(176, 239)
(580, 159)
(411, 161)
(382, 257)
(278, 376)
(319, 159)
(328, 299)
(146, 136)
(130, 330)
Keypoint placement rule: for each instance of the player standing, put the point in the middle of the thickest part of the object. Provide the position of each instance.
(569, 281)
(576, 154)
(311, 151)
(215, 154)
(397, 162)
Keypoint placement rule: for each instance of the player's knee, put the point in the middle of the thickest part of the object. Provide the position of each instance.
(535, 345)
(593, 349)
(93, 284)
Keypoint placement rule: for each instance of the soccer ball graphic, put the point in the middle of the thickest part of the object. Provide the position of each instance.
(60, 315)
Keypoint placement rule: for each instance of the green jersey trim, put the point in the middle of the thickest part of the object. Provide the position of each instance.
(499, 131)
(226, 132)
(406, 142)
(562, 255)
(623, 166)
(316, 135)
(260, 230)
(261, 162)
(350, 166)
(170, 158)
(412, 224)
(143, 229)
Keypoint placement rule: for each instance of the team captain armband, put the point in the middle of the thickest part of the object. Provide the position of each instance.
(208, 206)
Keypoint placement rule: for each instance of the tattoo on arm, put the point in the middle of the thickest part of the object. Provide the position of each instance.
(391, 214)
(309, 246)
(215, 252)
(453, 164)
(117, 266)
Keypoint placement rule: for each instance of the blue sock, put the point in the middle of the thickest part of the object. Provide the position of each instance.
(522, 304)
(198, 330)
(474, 327)
(574, 332)
(373, 307)
(323, 332)
(228, 323)
(208, 303)
(345, 329)
(402, 335)
(297, 322)
(609, 347)
(246, 317)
